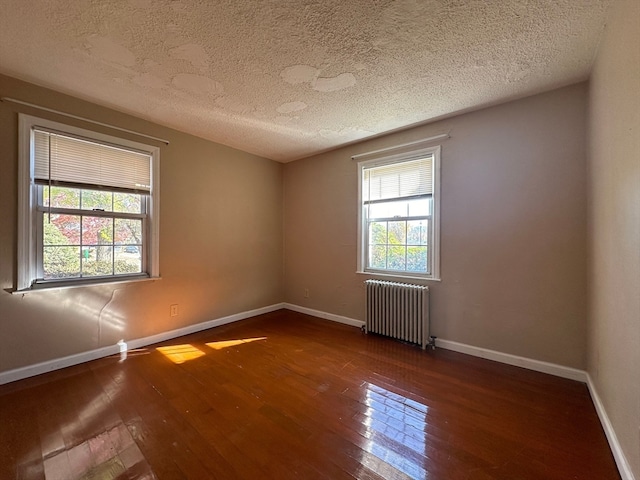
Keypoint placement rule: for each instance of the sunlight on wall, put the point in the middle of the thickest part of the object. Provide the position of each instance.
(86, 305)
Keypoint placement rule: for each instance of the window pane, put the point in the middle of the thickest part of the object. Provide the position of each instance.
(95, 199)
(98, 261)
(128, 231)
(61, 229)
(417, 232)
(396, 259)
(129, 259)
(424, 234)
(61, 197)
(127, 202)
(97, 231)
(132, 264)
(378, 256)
(398, 233)
(417, 259)
(388, 209)
(60, 262)
(420, 207)
(378, 233)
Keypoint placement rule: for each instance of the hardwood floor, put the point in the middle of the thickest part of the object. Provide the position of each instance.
(285, 395)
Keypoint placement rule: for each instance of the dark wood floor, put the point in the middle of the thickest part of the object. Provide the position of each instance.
(285, 396)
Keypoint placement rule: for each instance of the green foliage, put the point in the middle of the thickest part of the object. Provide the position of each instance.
(97, 199)
(59, 262)
(120, 267)
(59, 265)
(62, 197)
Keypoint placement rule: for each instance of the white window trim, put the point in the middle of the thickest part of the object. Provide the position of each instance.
(27, 203)
(393, 158)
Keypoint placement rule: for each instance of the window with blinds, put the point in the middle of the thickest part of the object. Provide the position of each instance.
(412, 178)
(398, 212)
(66, 160)
(90, 204)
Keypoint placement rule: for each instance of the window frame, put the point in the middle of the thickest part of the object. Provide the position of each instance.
(434, 247)
(28, 206)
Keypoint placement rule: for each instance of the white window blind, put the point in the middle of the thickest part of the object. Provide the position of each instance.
(398, 180)
(67, 160)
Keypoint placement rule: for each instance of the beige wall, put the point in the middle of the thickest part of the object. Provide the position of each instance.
(614, 226)
(220, 244)
(513, 222)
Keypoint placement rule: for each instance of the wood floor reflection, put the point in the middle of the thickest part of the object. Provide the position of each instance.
(287, 396)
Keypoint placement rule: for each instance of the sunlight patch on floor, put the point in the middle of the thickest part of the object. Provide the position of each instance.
(181, 353)
(231, 343)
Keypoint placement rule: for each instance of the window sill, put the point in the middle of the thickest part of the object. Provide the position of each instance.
(43, 287)
(399, 276)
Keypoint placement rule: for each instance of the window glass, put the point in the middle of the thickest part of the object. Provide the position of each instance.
(97, 200)
(62, 197)
(127, 202)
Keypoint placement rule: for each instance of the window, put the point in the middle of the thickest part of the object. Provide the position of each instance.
(88, 207)
(399, 214)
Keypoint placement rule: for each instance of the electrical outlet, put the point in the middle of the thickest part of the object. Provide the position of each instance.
(306, 293)
(173, 310)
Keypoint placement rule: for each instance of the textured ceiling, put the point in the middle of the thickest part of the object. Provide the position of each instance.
(287, 79)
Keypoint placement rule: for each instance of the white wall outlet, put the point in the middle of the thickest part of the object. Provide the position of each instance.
(173, 310)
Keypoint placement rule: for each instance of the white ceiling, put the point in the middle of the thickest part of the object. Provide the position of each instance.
(287, 79)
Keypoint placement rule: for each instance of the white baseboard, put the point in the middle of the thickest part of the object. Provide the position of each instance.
(621, 460)
(56, 364)
(59, 363)
(537, 365)
(327, 316)
(524, 362)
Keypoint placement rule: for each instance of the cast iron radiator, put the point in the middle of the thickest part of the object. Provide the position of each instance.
(398, 310)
